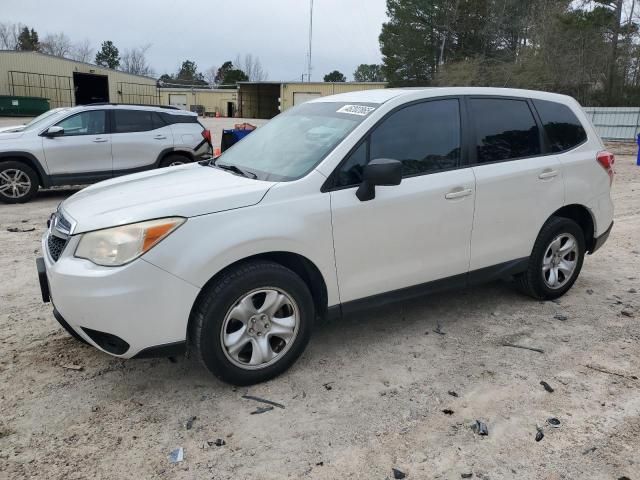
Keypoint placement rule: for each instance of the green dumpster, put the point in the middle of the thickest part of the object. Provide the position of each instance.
(15, 106)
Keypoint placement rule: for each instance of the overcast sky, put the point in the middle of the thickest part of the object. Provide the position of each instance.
(345, 32)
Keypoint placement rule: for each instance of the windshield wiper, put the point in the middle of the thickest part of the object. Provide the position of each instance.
(234, 169)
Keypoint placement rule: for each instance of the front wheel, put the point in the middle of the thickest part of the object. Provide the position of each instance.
(252, 323)
(556, 260)
(18, 182)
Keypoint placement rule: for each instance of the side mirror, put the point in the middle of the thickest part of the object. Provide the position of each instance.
(381, 171)
(54, 132)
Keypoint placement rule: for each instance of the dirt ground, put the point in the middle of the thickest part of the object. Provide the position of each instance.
(387, 377)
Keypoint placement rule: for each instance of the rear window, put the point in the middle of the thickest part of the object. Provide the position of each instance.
(505, 129)
(171, 119)
(127, 121)
(562, 127)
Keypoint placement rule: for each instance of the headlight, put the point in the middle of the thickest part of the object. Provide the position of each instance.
(116, 246)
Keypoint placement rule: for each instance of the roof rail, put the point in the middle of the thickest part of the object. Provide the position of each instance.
(168, 107)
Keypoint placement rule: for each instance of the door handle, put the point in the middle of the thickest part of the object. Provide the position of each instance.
(100, 140)
(159, 137)
(458, 193)
(547, 174)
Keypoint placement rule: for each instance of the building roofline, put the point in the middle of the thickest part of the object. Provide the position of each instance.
(76, 61)
(275, 82)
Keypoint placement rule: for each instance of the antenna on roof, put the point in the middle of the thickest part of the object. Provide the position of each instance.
(310, 41)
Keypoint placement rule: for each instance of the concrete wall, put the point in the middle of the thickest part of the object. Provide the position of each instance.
(52, 78)
(214, 101)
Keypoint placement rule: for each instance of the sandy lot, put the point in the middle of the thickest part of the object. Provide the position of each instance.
(390, 375)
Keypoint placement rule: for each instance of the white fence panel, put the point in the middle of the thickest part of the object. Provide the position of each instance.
(615, 123)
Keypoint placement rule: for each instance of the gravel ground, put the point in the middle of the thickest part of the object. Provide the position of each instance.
(368, 394)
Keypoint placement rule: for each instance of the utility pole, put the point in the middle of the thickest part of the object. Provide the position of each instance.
(310, 41)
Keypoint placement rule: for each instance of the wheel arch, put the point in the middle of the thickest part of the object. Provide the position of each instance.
(173, 151)
(299, 264)
(29, 160)
(583, 217)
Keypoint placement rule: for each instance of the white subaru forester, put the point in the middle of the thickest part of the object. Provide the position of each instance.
(338, 204)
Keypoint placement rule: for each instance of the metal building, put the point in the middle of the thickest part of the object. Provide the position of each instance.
(66, 82)
(209, 102)
(267, 99)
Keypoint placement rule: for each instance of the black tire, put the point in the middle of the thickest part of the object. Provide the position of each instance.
(532, 282)
(209, 314)
(173, 159)
(13, 166)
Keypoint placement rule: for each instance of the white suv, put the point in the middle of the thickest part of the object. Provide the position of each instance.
(81, 145)
(341, 203)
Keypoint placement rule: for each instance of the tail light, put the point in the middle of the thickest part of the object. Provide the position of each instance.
(206, 134)
(607, 160)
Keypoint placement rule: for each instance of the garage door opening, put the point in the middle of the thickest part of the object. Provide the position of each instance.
(259, 99)
(178, 100)
(90, 88)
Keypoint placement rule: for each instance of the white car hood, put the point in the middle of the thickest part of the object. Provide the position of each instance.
(184, 191)
(10, 134)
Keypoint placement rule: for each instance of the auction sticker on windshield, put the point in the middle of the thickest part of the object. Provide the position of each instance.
(361, 110)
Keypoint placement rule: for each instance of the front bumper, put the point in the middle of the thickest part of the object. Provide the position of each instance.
(122, 311)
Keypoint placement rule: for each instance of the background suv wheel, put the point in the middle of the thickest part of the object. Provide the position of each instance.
(18, 182)
(172, 160)
(556, 260)
(252, 323)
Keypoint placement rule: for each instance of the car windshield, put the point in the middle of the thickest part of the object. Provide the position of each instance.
(40, 118)
(294, 142)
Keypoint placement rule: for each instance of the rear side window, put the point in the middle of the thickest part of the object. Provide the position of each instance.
(127, 121)
(425, 137)
(562, 127)
(171, 119)
(505, 129)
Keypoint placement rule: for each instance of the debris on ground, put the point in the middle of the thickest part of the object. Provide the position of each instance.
(632, 290)
(447, 411)
(328, 385)
(189, 422)
(539, 433)
(589, 450)
(319, 464)
(533, 349)
(176, 455)
(77, 368)
(438, 328)
(627, 313)
(559, 316)
(589, 291)
(397, 473)
(553, 422)
(218, 442)
(480, 428)
(263, 400)
(20, 230)
(546, 386)
(452, 393)
(260, 410)
(466, 475)
(604, 370)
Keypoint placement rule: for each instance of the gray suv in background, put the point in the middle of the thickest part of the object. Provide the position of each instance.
(87, 144)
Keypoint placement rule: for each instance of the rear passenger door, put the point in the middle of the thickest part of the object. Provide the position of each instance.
(517, 185)
(138, 139)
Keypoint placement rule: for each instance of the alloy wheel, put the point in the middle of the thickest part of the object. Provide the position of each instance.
(260, 328)
(14, 183)
(560, 261)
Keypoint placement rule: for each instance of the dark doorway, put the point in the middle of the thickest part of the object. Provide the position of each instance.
(230, 109)
(90, 88)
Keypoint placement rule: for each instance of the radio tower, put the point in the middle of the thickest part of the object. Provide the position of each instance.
(310, 41)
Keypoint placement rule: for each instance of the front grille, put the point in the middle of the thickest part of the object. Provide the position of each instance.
(56, 246)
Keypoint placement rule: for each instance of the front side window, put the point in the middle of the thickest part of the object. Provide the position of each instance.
(505, 129)
(295, 142)
(425, 137)
(562, 127)
(92, 122)
(128, 121)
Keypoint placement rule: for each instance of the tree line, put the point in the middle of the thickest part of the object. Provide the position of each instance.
(587, 49)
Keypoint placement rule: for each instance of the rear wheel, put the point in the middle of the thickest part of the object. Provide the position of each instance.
(252, 323)
(172, 160)
(18, 182)
(556, 260)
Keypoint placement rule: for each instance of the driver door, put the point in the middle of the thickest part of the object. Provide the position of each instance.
(84, 148)
(415, 232)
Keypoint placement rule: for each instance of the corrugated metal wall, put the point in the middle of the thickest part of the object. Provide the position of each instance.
(615, 123)
(212, 101)
(38, 75)
(288, 89)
